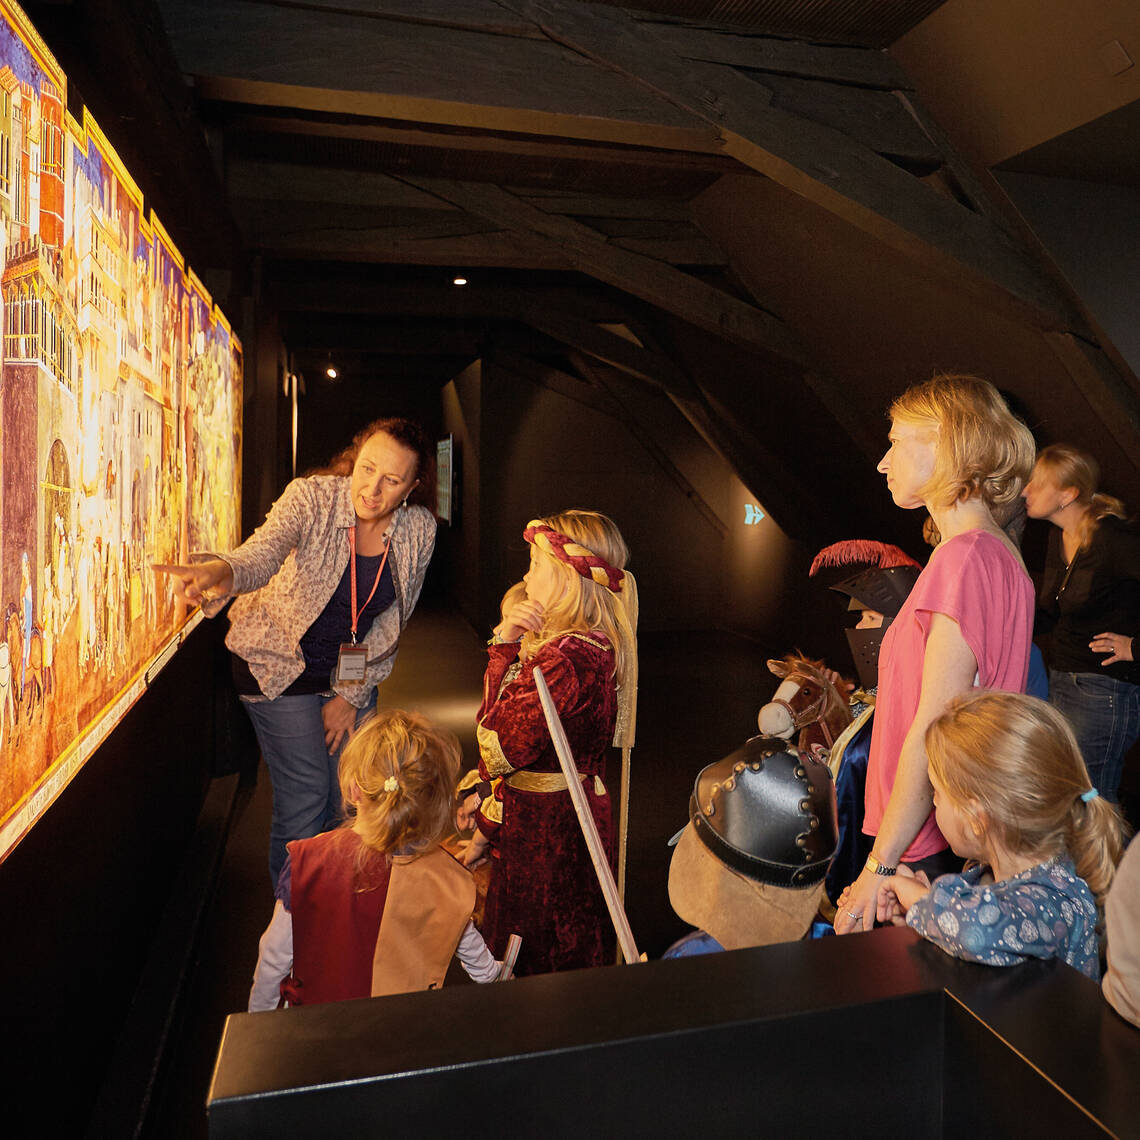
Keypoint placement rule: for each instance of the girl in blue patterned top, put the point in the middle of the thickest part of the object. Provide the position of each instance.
(1012, 796)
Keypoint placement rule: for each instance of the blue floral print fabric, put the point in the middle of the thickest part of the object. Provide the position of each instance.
(1047, 911)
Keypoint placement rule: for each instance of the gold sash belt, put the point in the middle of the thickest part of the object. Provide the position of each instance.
(547, 782)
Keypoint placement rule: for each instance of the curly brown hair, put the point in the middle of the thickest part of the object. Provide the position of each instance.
(408, 434)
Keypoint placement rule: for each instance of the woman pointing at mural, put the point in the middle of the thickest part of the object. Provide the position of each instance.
(327, 584)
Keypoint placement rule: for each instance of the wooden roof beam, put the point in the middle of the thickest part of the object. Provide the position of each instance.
(316, 294)
(417, 72)
(813, 160)
(602, 345)
(618, 407)
(861, 67)
(555, 149)
(662, 285)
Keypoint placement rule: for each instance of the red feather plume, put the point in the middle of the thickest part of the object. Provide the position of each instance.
(861, 550)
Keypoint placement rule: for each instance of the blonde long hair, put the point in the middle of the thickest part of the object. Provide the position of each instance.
(982, 449)
(1016, 757)
(586, 605)
(397, 774)
(1068, 466)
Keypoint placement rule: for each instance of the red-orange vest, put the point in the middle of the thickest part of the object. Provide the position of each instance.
(375, 927)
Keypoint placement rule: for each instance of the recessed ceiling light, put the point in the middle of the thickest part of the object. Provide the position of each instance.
(459, 281)
(331, 372)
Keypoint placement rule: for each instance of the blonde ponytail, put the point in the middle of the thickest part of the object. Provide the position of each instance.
(1070, 467)
(1094, 836)
(1016, 757)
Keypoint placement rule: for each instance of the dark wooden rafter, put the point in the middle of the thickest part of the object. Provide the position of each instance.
(859, 67)
(828, 390)
(834, 125)
(685, 103)
(1102, 385)
(549, 376)
(602, 345)
(470, 76)
(749, 454)
(593, 349)
(662, 285)
(813, 159)
(294, 130)
(459, 15)
(319, 293)
(878, 119)
(293, 207)
(668, 289)
(620, 410)
(598, 353)
(383, 338)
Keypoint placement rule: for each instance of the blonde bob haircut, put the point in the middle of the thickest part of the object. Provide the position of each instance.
(586, 605)
(397, 777)
(982, 449)
(1011, 762)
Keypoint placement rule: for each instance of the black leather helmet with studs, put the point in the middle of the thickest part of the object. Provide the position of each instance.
(767, 812)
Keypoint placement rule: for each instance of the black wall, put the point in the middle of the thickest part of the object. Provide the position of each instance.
(82, 896)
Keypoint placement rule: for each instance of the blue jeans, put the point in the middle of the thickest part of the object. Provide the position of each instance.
(1105, 715)
(306, 792)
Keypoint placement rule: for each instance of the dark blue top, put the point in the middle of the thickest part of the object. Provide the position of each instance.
(321, 642)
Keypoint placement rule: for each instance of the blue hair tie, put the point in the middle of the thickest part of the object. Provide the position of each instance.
(1091, 794)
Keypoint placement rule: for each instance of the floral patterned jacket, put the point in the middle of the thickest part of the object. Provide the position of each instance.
(288, 569)
(1047, 911)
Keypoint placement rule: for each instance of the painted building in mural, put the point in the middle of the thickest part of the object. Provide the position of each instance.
(120, 405)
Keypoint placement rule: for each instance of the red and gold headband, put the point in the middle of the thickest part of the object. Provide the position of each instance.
(565, 549)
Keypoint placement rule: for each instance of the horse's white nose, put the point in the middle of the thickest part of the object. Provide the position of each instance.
(775, 720)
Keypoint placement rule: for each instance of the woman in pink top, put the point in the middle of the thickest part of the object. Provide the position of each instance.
(957, 451)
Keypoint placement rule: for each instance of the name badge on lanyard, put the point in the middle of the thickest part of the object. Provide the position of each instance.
(352, 660)
(351, 663)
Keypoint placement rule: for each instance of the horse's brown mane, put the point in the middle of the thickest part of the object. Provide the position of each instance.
(798, 660)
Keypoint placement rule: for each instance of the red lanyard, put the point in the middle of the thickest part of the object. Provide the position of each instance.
(352, 576)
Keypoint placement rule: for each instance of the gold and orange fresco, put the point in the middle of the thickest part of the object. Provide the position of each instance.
(120, 432)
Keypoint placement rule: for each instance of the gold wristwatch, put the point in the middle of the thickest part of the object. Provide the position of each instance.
(878, 868)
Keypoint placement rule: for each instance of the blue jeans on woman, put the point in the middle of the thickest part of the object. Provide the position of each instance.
(1105, 715)
(306, 792)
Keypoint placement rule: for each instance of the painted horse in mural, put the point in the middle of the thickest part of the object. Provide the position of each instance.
(808, 702)
(29, 694)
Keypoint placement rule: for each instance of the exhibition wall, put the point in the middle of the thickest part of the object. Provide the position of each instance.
(120, 433)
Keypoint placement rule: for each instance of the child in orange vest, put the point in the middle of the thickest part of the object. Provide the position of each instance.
(376, 906)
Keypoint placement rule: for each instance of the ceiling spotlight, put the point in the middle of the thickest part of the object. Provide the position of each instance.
(459, 281)
(331, 372)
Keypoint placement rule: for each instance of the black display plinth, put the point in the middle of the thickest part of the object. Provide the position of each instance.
(873, 1034)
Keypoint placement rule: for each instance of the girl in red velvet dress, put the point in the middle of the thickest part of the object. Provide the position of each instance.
(576, 622)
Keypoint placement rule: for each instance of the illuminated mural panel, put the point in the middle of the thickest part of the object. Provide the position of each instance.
(120, 433)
